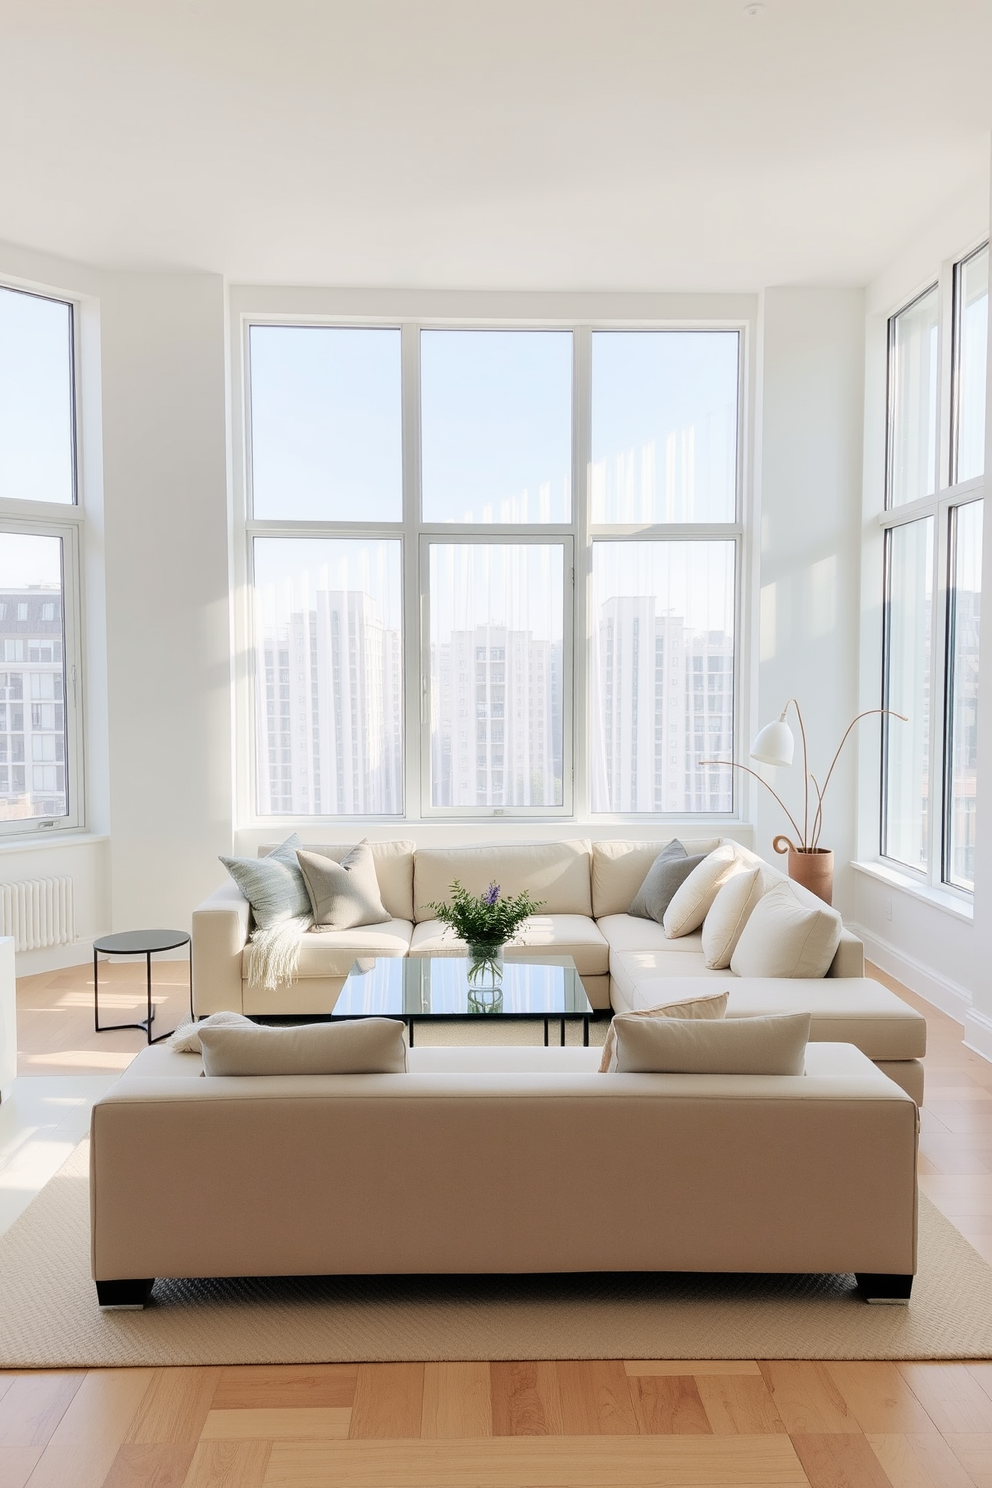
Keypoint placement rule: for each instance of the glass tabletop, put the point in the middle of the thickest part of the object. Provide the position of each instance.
(439, 987)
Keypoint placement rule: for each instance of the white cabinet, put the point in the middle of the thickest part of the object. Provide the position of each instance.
(8, 1016)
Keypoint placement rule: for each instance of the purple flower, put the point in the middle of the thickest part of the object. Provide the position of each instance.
(491, 895)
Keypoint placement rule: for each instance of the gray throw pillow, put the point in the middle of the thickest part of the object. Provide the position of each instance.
(273, 885)
(343, 894)
(667, 873)
(363, 1046)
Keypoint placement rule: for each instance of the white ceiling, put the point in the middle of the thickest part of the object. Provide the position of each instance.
(575, 144)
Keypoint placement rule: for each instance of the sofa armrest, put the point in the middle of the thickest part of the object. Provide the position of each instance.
(220, 933)
(850, 958)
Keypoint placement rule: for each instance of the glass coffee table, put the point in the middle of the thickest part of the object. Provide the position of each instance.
(423, 988)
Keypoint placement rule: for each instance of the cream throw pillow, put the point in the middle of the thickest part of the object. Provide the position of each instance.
(730, 912)
(707, 1005)
(362, 1046)
(774, 1045)
(689, 904)
(346, 894)
(791, 933)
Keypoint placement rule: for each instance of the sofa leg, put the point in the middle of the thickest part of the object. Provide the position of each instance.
(128, 1295)
(888, 1287)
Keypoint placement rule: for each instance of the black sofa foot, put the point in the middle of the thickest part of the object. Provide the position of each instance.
(886, 1287)
(129, 1295)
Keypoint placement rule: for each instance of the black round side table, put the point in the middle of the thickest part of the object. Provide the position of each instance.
(137, 943)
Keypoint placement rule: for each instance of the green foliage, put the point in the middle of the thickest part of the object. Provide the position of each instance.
(485, 919)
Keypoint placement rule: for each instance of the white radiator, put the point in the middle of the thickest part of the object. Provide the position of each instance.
(38, 912)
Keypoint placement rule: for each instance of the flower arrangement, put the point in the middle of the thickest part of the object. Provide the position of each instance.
(485, 919)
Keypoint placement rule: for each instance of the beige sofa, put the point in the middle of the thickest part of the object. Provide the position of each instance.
(587, 888)
(620, 1172)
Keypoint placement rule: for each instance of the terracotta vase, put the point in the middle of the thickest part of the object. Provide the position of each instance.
(813, 869)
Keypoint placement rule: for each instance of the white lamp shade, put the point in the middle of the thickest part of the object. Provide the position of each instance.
(775, 744)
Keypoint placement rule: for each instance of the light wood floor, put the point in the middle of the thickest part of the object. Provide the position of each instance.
(616, 1424)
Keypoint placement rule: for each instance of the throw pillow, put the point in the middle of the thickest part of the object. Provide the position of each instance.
(774, 1045)
(730, 912)
(273, 885)
(670, 868)
(690, 903)
(791, 933)
(343, 894)
(186, 1039)
(364, 1046)
(708, 1005)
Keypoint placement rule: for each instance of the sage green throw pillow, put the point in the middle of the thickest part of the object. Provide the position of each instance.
(273, 885)
(667, 873)
(345, 894)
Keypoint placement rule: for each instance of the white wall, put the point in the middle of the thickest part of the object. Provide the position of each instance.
(810, 419)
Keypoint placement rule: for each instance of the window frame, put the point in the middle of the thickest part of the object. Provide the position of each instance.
(947, 498)
(415, 535)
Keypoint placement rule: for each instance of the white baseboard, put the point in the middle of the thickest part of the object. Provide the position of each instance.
(79, 953)
(950, 997)
(978, 1033)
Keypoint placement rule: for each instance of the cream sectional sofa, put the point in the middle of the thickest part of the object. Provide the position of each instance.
(739, 1173)
(587, 888)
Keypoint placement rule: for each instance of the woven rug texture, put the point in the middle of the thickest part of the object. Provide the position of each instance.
(49, 1318)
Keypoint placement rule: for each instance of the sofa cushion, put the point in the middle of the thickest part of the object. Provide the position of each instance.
(706, 1005)
(393, 870)
(620, 867)
(850, 1010)
(346, 894)
(554, 873)
(690, 903)
(669, 870)
(540, 935)
(364, 1046)
(730, 912)
(332, 953)
(681, 961)
(746, 1046)
(790, 933)
(272, 883)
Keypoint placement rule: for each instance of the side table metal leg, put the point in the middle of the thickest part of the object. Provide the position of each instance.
(96, 996)
(148, 985)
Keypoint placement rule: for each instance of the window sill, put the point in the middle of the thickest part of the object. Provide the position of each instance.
(38, 841)
(942, 899)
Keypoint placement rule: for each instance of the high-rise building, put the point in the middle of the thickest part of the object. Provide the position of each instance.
(32, 703)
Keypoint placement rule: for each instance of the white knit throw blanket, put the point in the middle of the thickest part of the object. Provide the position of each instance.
(273, 955)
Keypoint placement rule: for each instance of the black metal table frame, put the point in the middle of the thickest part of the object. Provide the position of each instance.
(411, 1018)
(144, 1024)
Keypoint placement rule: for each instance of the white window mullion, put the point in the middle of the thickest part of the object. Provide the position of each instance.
(415, 704)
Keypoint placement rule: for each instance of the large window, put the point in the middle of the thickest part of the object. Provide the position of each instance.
(39, 724)
(933, 574)
(494, 569)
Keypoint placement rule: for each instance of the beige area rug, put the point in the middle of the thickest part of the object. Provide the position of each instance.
(49, 1316)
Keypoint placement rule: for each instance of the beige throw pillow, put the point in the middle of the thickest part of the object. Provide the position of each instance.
(730, 912)
(733, 1046)
(362, 1046)
(790, 933)
(707, 1005)
(689, 904)
(345, 894)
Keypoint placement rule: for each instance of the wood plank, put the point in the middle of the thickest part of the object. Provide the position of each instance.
(806, 1397)
(457, 1400)
(880, 1399)
(918, 1461)
(951, 1396)
(691, 1366)
(833, 1459)
(230, 1464)
(738, 1404)
(254, 1386)
(669, 1405)
(151, 1465)
(330, 1424)
(595, 1398)
(82, 1448)
(974, 1452)
(175, 1406)
(526, 1399)
(33, 1406)
(524, 1461)
(982, 1372)
(389, 1400)
(17, 1464)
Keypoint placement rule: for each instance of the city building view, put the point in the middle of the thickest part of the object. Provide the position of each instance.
(32, 703)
